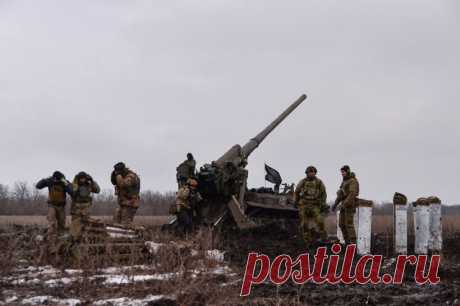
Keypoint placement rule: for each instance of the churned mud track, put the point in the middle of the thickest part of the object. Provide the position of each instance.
(273, 241)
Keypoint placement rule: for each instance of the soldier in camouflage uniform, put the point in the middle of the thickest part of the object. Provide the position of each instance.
(347, 195)
(310, 196)
(58, 188)
(186, 199)
(82, 189)
(127, 188)
(185, 170)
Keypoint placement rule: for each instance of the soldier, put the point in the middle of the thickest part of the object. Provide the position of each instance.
(348, 196)
(186, 199)
(185, 170)
(310, 196)
(58, 188)
(127, 188)
(82, 188)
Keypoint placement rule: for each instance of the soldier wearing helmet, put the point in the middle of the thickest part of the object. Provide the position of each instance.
(82, 189)
(185, 170)
(127, 188)
(186, 200)
(310, 196)
(347, 196)
(58, 188)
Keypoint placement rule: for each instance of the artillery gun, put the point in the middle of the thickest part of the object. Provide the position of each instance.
(223, 186)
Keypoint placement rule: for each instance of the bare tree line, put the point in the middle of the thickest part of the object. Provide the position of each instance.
(23, 198)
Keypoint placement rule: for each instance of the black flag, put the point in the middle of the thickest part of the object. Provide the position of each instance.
(272, 175)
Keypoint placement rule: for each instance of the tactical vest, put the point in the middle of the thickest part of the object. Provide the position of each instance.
(133, 190)
(82, 194)
(310, 191)
(56, 194)
(345, 186)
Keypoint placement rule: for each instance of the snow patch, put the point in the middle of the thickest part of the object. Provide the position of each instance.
(125, 279)
(153, 247)
(124, 301)
(46, 299)
(216, 255)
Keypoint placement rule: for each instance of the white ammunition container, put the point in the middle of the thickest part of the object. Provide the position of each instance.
(422, 226)
(435, 243)
(400, 228)
(364, 226)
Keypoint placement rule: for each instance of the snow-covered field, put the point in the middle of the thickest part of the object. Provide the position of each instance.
(139, 285)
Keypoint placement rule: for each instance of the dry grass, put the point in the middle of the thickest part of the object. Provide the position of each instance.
(41, 220)
(380, 224)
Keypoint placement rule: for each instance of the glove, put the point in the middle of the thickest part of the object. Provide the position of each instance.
(336, 203)
(324, 209)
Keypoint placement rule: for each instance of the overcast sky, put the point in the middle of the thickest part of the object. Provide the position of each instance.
(85, 84)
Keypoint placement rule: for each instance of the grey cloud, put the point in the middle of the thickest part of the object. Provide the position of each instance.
(85, 84)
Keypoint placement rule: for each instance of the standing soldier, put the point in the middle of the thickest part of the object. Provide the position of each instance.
(127, 188)
(185, 170)
(58, 188)
(310, 196)
(82, 188)
(348, 196)
(186, 199)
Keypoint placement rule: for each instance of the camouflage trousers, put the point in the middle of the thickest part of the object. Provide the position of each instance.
(124, 214)
(311, 222)
(80, 214)
(56, 221)
(346, 224)
(184, 221)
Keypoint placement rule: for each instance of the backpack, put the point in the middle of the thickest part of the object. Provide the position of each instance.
(135, 189)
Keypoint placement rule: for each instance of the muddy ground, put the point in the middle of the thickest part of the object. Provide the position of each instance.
(204, 270)
(273, 242)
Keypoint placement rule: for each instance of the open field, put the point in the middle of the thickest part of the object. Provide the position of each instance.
(41, 220)
(380, 224)
(197, 272)
(205, 269)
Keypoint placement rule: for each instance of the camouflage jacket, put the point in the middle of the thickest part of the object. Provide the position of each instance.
(127, 189)
(186, 169)
(349, 191)
(83, 193)
(187, 198)
(57, 190)
(310, 191)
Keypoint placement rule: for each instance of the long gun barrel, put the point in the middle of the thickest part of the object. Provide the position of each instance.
(252, 144)
(237, 153)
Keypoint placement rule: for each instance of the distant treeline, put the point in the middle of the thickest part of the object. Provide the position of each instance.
(24, 199)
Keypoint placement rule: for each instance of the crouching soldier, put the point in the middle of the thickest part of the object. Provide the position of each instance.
(58, 188)
(347, 198)
(127, 188)
(82, 189)
(186, 199)
(310, 196)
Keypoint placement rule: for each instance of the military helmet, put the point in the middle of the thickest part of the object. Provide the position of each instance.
(82, 175)
(311, 169)
(119, 167)
(57, 175)
(189, 156)
(192, 183)
(345, 168)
